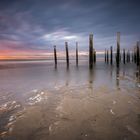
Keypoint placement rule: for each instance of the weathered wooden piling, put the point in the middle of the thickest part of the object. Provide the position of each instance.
(67, 53)
(128, 57)
(94, 55)
(107, 57)
(138, 55)
(135, 56)
(124, 56)
(91, 51)
(76, 53)
(55, 56)
(118, 50)
(132, 57)
(111, 55)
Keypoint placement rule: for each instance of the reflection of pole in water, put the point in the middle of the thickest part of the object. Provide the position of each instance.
(76, 53)
(55, 57)
(91, 78)
(117, 76)
(67, 54)
(91, 51)
(67, 77)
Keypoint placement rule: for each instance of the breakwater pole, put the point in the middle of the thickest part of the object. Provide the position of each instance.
(135, 56)
(76, 53)
(128, 57)
(55, 57)
(94, 55)
(111, 55)
(107, 56)
(123, 56)
(132, 57)
(138, 55)
(67, 54)
(118, 50)
(91, 51)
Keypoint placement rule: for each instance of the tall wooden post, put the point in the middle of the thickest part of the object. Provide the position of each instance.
(135, 56)
(55, 56)
(111, 55)
(128, 56)
(118, 49)
(94, 55)
(138, 54)
(76, 53)
(124, 56)
(67, 53)
(132, 57)
(107, 57)
(91, 51)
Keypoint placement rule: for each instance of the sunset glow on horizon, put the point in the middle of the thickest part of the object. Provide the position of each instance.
(30, 29)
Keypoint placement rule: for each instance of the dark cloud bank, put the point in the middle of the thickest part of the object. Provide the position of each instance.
(39, 24)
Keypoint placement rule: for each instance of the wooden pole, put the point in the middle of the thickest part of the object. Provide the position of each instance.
(67, 53)
(105, 55)
(135, 56)
(128, 56)
(55, 56)
(132, 56)
(138, 54)
(124, 56)
(91, 51)
(94, 55)
(111, 55)
(118, 49)
(76, 53)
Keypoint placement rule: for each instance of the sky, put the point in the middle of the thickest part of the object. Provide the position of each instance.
(30, 28)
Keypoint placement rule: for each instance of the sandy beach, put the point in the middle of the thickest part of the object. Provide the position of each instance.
(70, 104)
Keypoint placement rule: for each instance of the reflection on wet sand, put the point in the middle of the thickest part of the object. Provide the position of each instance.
(118, 76)
(71, 111)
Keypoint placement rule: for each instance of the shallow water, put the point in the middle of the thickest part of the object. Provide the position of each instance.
(38, 101)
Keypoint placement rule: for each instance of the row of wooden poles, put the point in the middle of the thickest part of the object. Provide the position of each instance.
(125, 56)
(92, 53)
(135, 55)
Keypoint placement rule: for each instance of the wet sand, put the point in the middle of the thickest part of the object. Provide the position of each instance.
(103, 106)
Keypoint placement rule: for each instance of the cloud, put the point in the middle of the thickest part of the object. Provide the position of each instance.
(40, 24)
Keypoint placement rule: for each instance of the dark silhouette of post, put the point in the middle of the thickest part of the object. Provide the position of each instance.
(94, 55)
(135, 56)
(76, 53)
(124, 56)
(55, 56)
(132, 57)
(138, 55)
(128, 56)
(118, 50)
(111, 55)
(107, 57)
(67, 54)
(91, 51)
